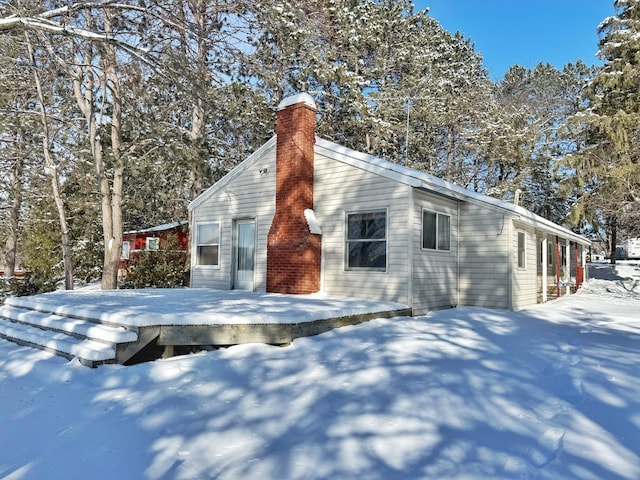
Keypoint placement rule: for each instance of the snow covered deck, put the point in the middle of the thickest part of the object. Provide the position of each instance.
(176, 317)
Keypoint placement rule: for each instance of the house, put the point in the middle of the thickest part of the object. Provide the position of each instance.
(303, 214)
(161, 237)
(629, 249)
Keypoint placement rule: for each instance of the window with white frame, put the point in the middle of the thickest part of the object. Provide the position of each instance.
(152, 243)
(522, 250)
(126, 247)
(436, 231)
(208, 243)
(366, 242)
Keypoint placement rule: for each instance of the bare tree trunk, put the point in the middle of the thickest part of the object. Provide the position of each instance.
(84, 84)
(112, 214)
(51, 170)
(197, 10)
(451, 154)
(614, 239)
(15, 189)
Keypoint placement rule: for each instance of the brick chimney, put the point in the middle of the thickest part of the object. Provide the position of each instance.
(293, 252)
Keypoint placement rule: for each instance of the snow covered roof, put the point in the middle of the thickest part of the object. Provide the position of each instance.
(408, 176)
(423, 180)
(159, 228)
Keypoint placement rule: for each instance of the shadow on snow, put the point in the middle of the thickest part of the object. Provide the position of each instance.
(466, 392)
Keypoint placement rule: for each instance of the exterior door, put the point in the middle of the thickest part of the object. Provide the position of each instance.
(245, 246)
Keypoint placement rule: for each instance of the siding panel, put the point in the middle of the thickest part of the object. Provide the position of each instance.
(250, 194)
(340, 188)
(484, 257)
(524, 279)
(434, 272)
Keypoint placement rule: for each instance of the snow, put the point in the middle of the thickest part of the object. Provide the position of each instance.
(88, 329)
(312, 222)
(302, 98)
(548, 392)
(198, 306)
(159, 228)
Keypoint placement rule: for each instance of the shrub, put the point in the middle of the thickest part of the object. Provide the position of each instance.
(158, 269)
(42, 261)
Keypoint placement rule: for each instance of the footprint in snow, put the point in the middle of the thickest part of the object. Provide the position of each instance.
(574, 359)
(548, 448)
(550, 408)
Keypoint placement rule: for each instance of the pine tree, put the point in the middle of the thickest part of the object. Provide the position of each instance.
(609, 163)
(531, 137)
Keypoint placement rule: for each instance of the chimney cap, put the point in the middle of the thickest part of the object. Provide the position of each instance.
(303, 98)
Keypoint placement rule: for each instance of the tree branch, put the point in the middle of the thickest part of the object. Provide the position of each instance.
(43, 23)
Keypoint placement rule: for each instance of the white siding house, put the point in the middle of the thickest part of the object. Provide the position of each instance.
(242, 194)
(386, 232)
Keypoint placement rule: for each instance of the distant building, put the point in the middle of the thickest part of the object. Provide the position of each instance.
(173, 236)
(629, 249)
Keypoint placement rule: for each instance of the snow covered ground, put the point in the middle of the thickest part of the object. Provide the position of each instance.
(547, 393)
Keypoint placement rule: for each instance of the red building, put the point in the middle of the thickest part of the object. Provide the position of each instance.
(170, 236)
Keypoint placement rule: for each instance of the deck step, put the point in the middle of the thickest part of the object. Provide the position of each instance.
(89, 352)
(74, 327)
(89, 340)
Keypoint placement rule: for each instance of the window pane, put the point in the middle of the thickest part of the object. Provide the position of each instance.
(429, 230)
(367, 255)
(153, 243)
(208, 255)
(521, 250)
(366, 226)
(366, 240)
(246, 242)
(208, 234)
(444, 232)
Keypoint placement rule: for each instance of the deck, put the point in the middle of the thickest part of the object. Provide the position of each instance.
(124, 326)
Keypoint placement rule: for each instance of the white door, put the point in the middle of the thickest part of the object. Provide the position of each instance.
(244, 254)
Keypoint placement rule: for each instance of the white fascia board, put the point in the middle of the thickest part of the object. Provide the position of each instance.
(241, 167)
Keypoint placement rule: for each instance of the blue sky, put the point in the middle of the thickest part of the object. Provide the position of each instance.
(524, 32)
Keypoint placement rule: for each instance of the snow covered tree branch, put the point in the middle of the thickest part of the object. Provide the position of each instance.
(57, 22)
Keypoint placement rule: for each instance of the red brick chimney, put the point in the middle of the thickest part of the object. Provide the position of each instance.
(293, 252)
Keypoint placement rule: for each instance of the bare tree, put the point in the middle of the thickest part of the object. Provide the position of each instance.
(14, 187)
(52, 171)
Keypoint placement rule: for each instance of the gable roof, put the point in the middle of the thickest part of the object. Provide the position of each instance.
(241, 167)
(405, 175)
(428, 182)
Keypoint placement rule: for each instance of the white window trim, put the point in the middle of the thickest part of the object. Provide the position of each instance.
(437, 213)
(345, 243)
(524, 249)
(147, 241)
(128, 250)
(194, 260)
